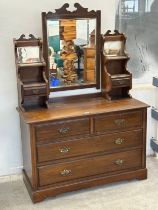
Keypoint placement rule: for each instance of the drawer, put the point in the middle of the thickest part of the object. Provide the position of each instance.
(62, 129)
(90, 75)
(121, 82)
(90, 63)
(34, 90)
(90, 52)
(102, 143)
(68, 23)
(88, 167)
(117, 122)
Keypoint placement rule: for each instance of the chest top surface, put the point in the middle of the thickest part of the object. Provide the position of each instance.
(80, 107)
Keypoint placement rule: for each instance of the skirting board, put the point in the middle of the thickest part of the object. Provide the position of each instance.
(11, 171)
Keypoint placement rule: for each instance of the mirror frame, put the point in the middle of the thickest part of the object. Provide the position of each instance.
(63, 13)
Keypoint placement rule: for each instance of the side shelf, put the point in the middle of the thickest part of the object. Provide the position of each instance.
(33, 88)
(116, 79)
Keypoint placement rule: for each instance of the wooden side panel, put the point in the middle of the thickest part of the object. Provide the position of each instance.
(144, 138)
(29, 153)
(26, 149)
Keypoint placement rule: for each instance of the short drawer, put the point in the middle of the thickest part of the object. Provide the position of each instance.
(88, 167)
(102, 143)
(121, 82)
(117, 122)
(90, 52)
(62, 129)
(34, 90)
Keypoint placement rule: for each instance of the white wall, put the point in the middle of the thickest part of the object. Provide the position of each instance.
(18, 17)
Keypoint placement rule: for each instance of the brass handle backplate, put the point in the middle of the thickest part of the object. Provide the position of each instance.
(64, 149)
(35, 91)
(63, 130)
(119, 141)
(120, 122)
(65, 172)
(121, 82)
(119, 162)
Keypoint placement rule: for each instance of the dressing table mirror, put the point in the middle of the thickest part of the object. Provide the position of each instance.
(71, 48)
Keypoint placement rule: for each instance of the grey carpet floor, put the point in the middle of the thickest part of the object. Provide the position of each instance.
(129, 195)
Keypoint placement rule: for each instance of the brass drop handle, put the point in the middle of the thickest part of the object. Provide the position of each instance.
(64, 149)
(119, 141)
(35, 91)
(119, 162)
(119, 122)
(120, 82)
(63, 130)
(65, 172)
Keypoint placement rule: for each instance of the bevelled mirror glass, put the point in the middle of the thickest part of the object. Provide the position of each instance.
(28, 54)
(113, 48)
(71, 48)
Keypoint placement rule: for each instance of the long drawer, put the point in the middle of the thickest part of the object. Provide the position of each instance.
(62, 129)
(91, 166)
(118, 122)
(109, 142)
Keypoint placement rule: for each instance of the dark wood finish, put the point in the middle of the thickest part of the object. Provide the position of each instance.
(62, 129)
(31, 80)
(41, 194)
(26, 149)
(116, 79)
(88, 167)
(79, 141)
(96, 151)
(35, 89)
(79, 13)
(79, 107)
(120, 121)
(89, 145)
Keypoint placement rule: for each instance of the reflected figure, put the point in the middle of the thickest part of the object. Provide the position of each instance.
(79, 52)
(68, 40)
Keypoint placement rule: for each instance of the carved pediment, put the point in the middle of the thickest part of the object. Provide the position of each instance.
(63, 10)
(23, 37)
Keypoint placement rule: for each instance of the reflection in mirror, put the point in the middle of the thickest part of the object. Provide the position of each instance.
(72, 50)
(28, 54)
(113, 48)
